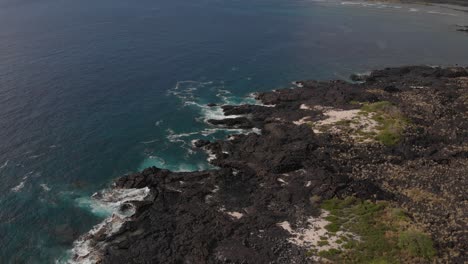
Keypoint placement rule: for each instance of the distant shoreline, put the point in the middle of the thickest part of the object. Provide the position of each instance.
(460, 3)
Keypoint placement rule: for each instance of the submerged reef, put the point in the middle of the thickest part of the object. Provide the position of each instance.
(372, 171)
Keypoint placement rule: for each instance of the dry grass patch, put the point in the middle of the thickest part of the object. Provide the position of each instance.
(381, 234)
(381, 121)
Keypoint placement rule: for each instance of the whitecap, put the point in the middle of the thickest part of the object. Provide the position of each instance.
(149, 141)
(45, 187)
(441, 13)
(210, 131)
(158, 123)
(215, 113)
(184, 89)
(36, 156)
(177, 138)
(18, 187)
(4, 165)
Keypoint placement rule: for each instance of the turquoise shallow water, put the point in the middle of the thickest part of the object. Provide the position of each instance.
(90, 90)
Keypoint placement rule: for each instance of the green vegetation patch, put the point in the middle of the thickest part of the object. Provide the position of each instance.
(417, 244)
(381, 121)
(391, 122)
(381, 233)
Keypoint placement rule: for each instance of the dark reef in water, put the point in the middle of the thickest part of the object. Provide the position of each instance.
(462, 28)
(307, 154)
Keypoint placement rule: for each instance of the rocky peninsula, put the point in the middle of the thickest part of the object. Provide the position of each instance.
(369, 171)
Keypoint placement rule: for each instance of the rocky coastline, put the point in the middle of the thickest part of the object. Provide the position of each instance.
(397, 135)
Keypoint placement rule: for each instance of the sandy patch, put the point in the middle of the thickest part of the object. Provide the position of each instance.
(233, 214)
(282, 182)
(418, 87)
(339, 121)
(313, 236)
(236, 215)
(315, 107)
(336, 115)
(462, 81)
(305, 107)
(302, 121)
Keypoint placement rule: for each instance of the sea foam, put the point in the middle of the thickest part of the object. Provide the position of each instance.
(116, 202)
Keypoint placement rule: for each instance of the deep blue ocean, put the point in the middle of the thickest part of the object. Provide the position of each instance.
(94, 89)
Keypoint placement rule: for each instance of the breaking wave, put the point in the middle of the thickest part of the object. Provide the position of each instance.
(117, 205)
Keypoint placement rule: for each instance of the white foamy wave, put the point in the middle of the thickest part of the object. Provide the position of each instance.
(414, 10)
(252, 99)
(215, 112)
(173, 137)
(177, 166)
(158, 123)
(184, 90)
(228, 98)
(210, 131)
(37, 156)
(211, 156)
(441, 13)
(194, 94)
(108, 202)
(149, 141)
(191, 93)
(118, 202)
(4, 164)
(372, 5)
(179, 138)
(224, 95)
(208, 112)
(45, 187)
(18, 187)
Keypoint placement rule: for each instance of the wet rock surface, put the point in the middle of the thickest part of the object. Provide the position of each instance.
(231, 215)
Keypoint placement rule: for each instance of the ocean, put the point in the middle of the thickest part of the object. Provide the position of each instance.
(92, 90)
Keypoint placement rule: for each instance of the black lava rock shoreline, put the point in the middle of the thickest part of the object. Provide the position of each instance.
(231, 215)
